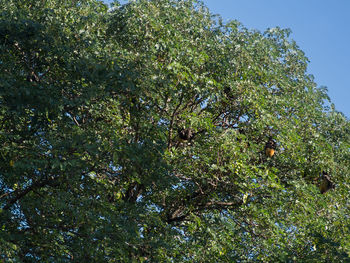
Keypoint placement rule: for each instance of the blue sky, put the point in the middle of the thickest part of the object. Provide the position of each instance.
(321, 28)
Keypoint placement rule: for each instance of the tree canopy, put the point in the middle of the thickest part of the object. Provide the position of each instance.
(138, 134)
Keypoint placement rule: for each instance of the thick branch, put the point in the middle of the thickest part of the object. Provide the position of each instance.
(170, 134)
(18, 194)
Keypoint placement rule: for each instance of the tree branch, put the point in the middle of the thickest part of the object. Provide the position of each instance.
(21, 193)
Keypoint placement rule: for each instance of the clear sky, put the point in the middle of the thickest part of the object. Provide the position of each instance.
(321, 28)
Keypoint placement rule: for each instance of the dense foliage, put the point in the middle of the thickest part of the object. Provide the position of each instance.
(137, 134)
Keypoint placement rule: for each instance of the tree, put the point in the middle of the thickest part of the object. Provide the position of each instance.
(92, 102)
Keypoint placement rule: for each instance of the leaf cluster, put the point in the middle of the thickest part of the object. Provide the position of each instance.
(93, 167)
